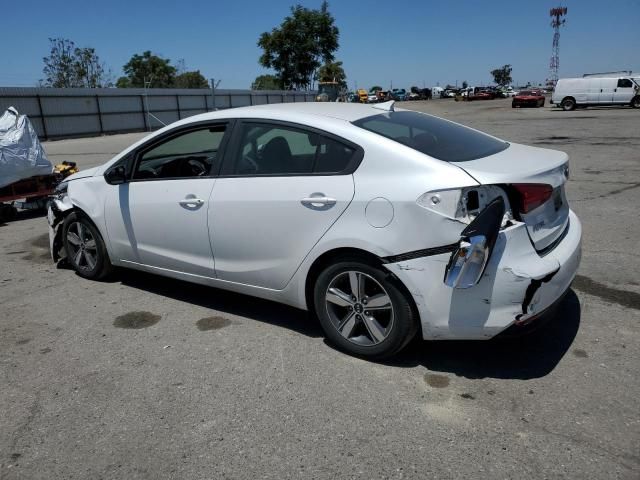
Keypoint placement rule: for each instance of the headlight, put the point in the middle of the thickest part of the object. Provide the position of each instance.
(61, 189)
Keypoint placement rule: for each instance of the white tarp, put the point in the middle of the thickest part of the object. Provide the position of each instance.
(21, 154)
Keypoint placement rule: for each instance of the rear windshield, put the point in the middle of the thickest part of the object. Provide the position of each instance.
(433, 136)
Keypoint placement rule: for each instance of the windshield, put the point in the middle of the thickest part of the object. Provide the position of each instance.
(433, 136)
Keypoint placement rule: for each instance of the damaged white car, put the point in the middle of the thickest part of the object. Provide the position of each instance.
(383, 222)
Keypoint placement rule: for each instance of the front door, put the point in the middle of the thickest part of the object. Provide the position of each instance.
(159, 217)
(624, 91)
(281, 190)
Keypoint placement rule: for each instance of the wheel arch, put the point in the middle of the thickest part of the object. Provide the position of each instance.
(61, 212)
(350, 253)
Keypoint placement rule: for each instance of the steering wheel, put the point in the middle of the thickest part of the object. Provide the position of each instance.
(198, 167)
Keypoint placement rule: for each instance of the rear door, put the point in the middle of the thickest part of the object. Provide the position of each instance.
(593, 91)
(607, 87)
(281, 189)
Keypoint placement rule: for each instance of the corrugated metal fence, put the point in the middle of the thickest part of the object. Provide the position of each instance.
(75, 112)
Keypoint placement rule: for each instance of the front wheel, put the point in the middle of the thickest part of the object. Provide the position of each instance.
(363, 311)
(84, 247)
(635, 103)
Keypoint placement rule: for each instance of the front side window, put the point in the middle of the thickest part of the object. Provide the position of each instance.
(433, 136)
(624, 83)
(282, 150)
(190, 154)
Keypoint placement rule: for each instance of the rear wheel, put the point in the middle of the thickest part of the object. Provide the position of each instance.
(363, 311)
(635, 103)
(84, 247)
(568, 104)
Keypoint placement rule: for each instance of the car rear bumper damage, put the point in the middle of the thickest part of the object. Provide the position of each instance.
(516, 286)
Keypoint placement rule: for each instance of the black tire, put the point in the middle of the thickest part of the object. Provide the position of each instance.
(635, 102)
(395, 325)
(568, 104)
(89, 260)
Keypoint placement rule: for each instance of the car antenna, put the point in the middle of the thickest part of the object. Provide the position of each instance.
(386, 106)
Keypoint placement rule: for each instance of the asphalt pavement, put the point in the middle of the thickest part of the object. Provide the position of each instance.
(146, 377)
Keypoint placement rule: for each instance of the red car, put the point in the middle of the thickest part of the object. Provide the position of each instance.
(528, 98)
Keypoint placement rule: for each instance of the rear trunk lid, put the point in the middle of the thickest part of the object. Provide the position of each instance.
(520, 164)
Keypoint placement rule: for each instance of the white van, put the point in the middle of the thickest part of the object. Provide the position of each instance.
(572, 92)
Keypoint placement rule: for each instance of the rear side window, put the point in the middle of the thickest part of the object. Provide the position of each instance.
(433, 136)
(270, 149)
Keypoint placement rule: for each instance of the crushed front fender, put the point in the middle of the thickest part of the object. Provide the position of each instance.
(57, 210)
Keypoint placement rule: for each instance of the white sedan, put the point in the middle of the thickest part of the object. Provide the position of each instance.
(382, 222)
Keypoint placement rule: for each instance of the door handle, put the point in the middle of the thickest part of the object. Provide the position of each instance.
(314, 201)
(191, 201)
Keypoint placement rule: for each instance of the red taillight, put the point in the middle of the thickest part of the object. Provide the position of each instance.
(532, 195)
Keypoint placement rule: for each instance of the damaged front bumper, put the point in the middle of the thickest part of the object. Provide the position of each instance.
(56, 211)
(517, 284)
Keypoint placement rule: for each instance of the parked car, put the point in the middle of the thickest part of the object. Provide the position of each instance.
(372, 97)
(399, 94)
(384, 223)
(528, 98)
(592, 91)
(363, 95)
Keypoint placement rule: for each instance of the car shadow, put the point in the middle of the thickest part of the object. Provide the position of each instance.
(526, 357)
(23, 215)
(232, 303)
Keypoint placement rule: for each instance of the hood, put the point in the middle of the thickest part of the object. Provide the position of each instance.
(89, 172)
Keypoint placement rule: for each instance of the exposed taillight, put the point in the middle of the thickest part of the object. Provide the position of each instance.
(532, 195)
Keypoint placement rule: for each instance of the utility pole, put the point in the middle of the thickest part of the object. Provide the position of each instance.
(557, 21)
(214, 85)
(147, 84)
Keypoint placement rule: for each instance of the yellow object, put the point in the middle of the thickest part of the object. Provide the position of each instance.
(363, 95)
(66, 168)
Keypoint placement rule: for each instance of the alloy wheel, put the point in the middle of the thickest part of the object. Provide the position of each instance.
(359, 308)
(82, 245)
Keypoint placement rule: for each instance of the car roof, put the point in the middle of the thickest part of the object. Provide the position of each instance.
(349, 112)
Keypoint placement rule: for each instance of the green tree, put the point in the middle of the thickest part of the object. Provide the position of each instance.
(191, 80)
(90, 72)
(333, 72)
(123, 82)
(465, 84)
(502, 75)
(375, 88)
(155, 70)
(58, 68)
(267, 82)
(295, 50)
(68, 66)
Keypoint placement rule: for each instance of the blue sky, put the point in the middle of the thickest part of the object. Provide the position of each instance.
(404, 42)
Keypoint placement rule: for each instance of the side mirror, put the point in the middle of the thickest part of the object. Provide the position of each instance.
(116, 175)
